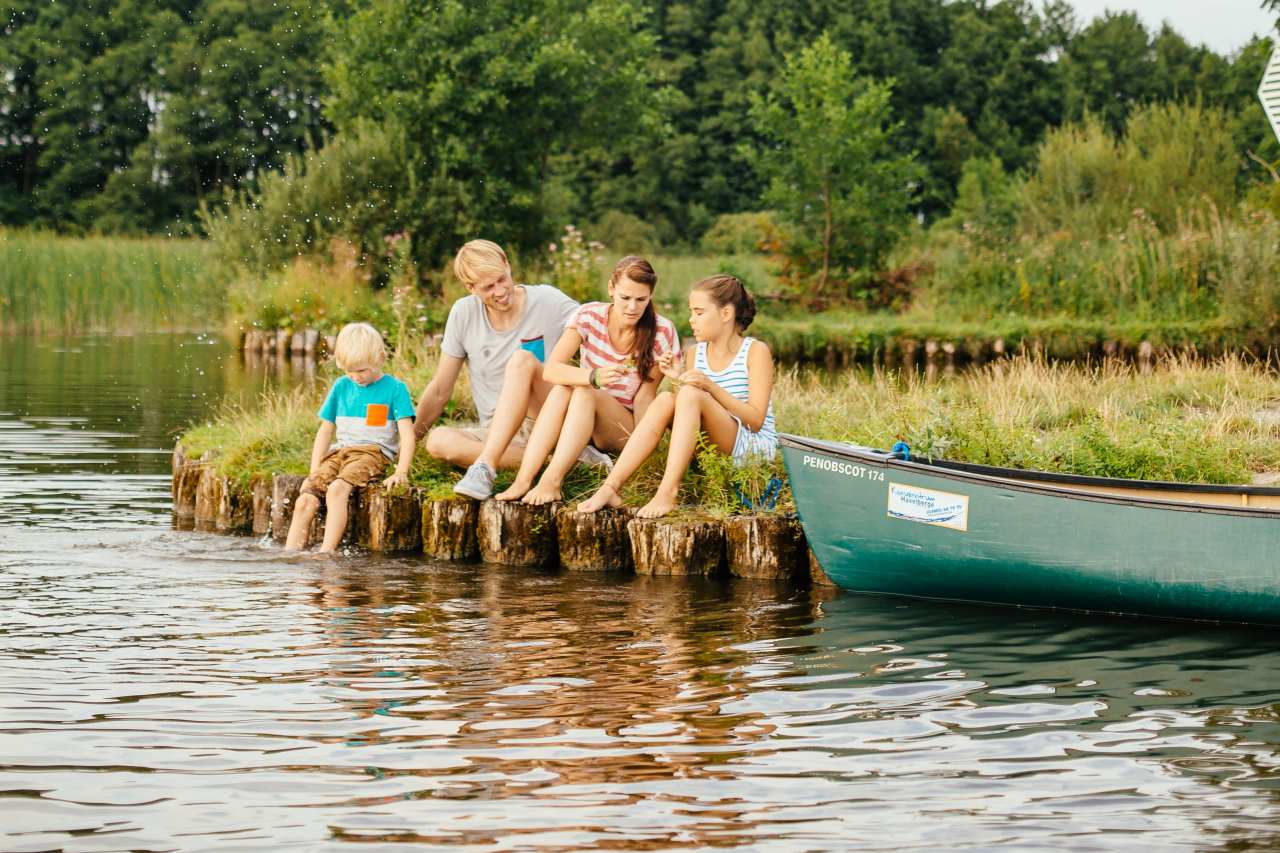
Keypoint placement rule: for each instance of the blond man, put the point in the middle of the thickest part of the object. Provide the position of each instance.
(365, 422)
(502, 332)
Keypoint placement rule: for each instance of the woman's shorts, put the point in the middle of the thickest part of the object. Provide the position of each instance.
(356, 465)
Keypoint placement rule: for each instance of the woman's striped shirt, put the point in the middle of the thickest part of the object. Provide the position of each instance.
(591, 322)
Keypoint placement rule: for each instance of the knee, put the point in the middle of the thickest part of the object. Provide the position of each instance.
(339, 490)
(524, 363)
(689, 395)
(582, 395)
(437, 443)
(306, 503)
(664, 401)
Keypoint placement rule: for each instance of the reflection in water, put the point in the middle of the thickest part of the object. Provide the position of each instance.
(164, 690)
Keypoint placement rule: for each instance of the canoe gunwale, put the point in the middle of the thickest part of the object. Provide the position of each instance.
(1013, 478)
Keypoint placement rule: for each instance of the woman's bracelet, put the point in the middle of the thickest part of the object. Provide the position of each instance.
(591, 377)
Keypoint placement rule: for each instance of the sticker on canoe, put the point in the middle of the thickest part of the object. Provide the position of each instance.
(941, 509)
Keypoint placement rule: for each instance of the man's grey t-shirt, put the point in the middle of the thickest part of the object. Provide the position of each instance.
(468, 335)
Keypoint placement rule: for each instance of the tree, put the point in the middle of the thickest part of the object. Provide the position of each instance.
(833, 173)
(490, 94)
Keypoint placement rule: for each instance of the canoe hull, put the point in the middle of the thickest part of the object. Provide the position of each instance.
(877, 524)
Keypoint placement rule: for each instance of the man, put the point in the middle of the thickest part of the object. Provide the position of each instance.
(503, 331)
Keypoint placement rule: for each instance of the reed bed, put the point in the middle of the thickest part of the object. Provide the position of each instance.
(60, 284)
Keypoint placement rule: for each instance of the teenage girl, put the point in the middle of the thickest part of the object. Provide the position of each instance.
(723, 391)
(619, 344)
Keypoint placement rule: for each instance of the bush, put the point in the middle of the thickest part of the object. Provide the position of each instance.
(624, 234)
(1174, 159)
(988, 201)
(358, 188)
(740, 234)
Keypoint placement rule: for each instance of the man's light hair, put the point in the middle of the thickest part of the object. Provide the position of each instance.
(359, 345)
(479, 260)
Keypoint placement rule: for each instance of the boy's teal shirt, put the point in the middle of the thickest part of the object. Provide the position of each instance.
(368, 414)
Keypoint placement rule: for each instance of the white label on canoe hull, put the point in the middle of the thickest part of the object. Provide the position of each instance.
(929, 506)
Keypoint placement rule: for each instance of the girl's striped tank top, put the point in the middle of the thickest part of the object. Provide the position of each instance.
(734, 380)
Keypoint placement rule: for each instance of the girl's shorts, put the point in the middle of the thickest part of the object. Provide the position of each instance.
(749, 444)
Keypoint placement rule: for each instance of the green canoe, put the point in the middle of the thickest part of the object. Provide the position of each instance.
(947, 530)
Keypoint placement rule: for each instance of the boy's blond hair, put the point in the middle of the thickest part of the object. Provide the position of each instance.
(478, 260)
(359, 344)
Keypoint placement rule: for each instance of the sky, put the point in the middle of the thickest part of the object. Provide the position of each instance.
(1224, 25)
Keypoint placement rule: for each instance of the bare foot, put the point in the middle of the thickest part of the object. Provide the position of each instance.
(606, 495)
(513, 493)
(541, 494)
(656, 508)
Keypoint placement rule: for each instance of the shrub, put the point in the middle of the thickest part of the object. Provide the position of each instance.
(625, 234)
(358, 188)
(740, 234)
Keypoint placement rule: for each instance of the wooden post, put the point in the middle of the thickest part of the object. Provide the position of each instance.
(390, 522)
(765, 546)
(515, 534)
(449, 529)
(676, 546)
(594, 542)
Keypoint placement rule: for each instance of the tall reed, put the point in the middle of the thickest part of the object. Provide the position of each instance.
(50, 283)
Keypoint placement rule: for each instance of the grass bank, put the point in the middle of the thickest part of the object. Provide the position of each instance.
(60, 284)
(1185, 421)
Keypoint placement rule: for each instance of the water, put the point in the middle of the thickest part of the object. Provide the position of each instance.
(162, 690)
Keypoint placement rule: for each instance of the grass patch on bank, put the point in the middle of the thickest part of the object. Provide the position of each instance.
(55, 284)
(1185, 421)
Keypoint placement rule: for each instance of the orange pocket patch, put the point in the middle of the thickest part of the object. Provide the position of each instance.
(375, 414)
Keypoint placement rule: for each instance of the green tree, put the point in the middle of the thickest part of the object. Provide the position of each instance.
(490, 94)
(240, 90)
(834, 175)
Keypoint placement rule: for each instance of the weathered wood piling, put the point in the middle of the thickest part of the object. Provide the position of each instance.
(509, 533)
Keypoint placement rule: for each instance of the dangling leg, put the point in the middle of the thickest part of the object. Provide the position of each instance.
(550, 422)
(696, 411)
(639, 447)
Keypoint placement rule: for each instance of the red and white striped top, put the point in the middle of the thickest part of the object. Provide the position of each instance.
(591, 321)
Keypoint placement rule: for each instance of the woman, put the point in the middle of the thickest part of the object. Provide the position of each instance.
(619, 344)
(724, 392)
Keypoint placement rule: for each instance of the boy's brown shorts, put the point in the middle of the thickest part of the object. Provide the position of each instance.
(356, 465)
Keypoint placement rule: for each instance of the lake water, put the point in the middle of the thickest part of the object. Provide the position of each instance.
(164, 690)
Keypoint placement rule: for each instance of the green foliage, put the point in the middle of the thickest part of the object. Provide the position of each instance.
(308, 294)
(358, 188)
(625, 234)
(578, 265)
(839, 186)
(988, 201)
(125, 114)
(1173, 159)
(740, 234)
(489, 93)
(50, 283)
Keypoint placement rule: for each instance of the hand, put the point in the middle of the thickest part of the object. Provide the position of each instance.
(669, 364)
(612, 373)
(697, 379)
(395, 481)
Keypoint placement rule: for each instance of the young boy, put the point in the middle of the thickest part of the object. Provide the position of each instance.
(370, 415)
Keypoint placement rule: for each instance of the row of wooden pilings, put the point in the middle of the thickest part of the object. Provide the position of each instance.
(932, 356)
(929, 356)
(507, 533)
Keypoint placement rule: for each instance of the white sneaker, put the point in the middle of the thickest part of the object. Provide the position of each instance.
(477, 482)
(590, 455)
